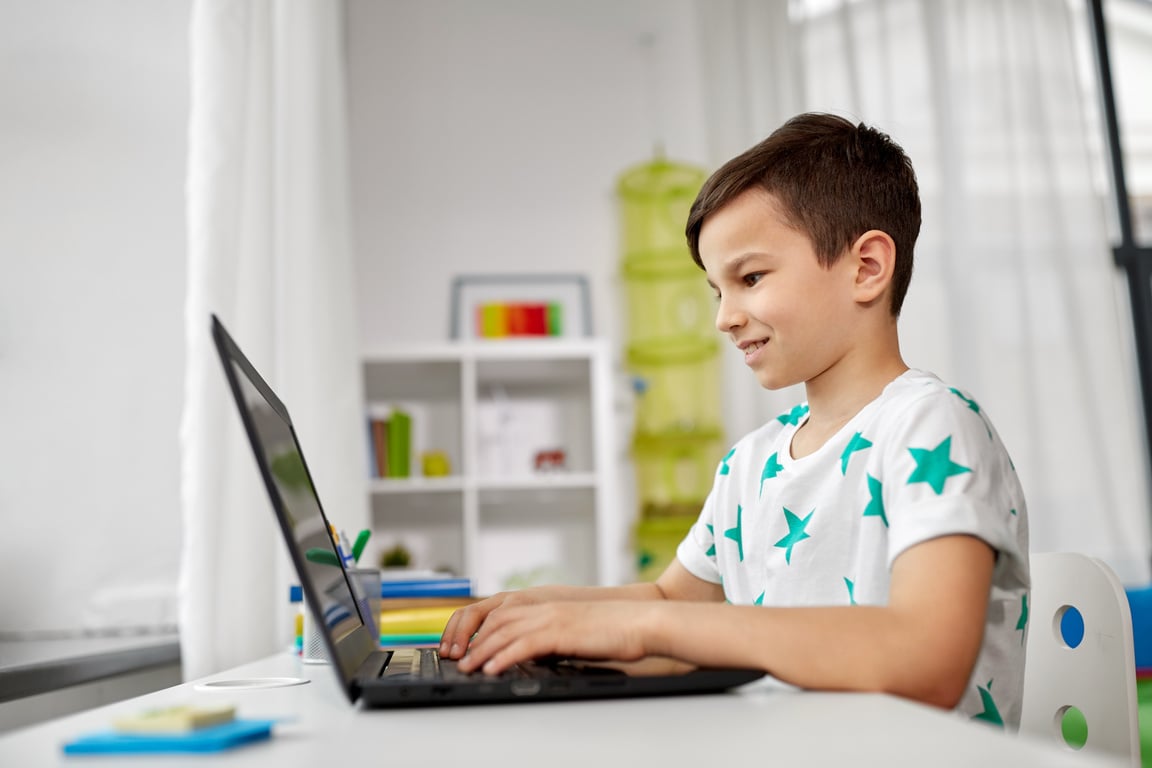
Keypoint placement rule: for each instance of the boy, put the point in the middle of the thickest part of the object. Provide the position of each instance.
(873, 538)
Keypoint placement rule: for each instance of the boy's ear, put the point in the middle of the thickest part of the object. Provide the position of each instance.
(874, 256)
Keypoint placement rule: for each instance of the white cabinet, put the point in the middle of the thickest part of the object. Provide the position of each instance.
(493, 407)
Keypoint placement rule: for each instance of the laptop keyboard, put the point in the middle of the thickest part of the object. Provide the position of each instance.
(426, 664)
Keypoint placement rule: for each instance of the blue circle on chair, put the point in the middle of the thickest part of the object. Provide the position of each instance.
(1072, 627)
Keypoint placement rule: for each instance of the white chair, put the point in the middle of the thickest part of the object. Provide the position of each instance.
(1098, 676)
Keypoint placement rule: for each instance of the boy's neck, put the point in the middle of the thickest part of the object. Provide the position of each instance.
(841, 392)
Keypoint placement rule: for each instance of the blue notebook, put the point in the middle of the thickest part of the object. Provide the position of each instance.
(215, 738)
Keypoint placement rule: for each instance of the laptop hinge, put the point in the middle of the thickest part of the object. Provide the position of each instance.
(373, 666)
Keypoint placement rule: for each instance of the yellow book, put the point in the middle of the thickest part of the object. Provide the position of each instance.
(415, 621)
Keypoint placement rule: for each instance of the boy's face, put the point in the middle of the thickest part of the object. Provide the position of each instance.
(790, 316)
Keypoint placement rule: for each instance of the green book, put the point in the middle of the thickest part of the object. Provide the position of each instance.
(399, 444)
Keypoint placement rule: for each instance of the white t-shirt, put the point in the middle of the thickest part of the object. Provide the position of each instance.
(920, 461)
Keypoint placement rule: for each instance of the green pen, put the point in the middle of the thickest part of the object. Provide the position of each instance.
(358, 546)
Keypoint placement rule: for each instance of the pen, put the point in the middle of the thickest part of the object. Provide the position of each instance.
(346, 554)
(358, 546)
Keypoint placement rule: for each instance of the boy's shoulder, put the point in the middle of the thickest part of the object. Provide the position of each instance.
(913, 396)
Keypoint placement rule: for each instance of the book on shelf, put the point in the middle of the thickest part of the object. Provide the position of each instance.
(390, 444)
(378, 429)
(399, 444)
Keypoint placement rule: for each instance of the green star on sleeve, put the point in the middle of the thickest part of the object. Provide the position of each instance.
(935, 466)
(796, 533)
(772, 467)
(793, 416)
(736, 534)
(875, 506)
(851, 590)
(972, 404)
(724, 468)
(759, 600)
(857, 443)
(712, 549)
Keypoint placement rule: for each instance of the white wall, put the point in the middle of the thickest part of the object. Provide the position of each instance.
(92, 153)
(488, 136)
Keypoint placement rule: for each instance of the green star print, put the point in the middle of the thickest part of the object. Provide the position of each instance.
(796, 533)
(736, 534)
(793, 416)
(772, 467)
(969, 401)
(857, 443)
(724, 469)
(1022, 622)
(875, 506)
(851, 590)
(935, 466)
(991, 713)
(712, 549)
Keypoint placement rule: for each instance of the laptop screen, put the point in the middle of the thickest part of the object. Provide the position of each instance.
(331, 595)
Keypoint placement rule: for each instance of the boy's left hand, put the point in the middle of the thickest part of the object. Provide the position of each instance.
(585, 630)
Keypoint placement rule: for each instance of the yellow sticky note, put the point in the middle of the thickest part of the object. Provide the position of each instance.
(178, 719)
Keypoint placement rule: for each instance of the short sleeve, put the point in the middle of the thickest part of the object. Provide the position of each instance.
(944, 471)
(697, 551)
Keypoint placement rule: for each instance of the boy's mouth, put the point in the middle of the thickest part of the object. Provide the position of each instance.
(750, 348)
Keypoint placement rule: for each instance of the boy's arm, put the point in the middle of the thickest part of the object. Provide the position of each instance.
(922, 645)
(675, 583)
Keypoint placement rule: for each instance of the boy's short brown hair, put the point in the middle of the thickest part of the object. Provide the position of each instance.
(833, 181)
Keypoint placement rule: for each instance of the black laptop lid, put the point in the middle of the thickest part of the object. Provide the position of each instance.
(306, 530)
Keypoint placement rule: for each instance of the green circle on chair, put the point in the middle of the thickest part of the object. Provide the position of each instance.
(1074, 727)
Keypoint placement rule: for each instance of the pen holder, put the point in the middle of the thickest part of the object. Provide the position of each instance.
(367, 588)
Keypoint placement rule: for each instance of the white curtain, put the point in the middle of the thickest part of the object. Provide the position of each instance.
(269, 252)
(1014, 296)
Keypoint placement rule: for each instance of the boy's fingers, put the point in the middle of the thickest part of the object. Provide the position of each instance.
(461, 626)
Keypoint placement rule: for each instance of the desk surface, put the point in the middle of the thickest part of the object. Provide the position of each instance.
(762, 721)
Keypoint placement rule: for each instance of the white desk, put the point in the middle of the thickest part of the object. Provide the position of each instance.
(761, 724)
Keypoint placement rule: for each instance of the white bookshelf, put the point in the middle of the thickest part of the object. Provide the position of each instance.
(490, 406)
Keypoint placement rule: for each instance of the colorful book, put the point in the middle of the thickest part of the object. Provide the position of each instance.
(399, 442)
(380, 446)
(451, 587)
(415, 621)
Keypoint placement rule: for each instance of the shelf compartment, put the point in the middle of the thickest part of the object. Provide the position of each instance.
(427, 522)
(429, 392)
(528, 409)
(535, 536)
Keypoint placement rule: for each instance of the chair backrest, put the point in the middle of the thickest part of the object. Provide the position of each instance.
(1098, 675)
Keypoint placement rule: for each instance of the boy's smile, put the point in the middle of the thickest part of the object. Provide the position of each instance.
(790, 316)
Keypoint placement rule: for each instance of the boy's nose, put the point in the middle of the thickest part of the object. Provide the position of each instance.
(728, 316)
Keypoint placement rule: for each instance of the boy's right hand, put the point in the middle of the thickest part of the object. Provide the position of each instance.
(462, 625)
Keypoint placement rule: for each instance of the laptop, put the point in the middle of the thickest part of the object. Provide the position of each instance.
(383, 677)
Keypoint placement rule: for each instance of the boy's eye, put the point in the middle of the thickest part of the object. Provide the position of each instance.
(752, 278)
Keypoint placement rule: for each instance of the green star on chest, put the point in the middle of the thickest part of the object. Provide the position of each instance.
(796, 532)
(772, 467)
(935, 466)
(857, 443)
(875, 506)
